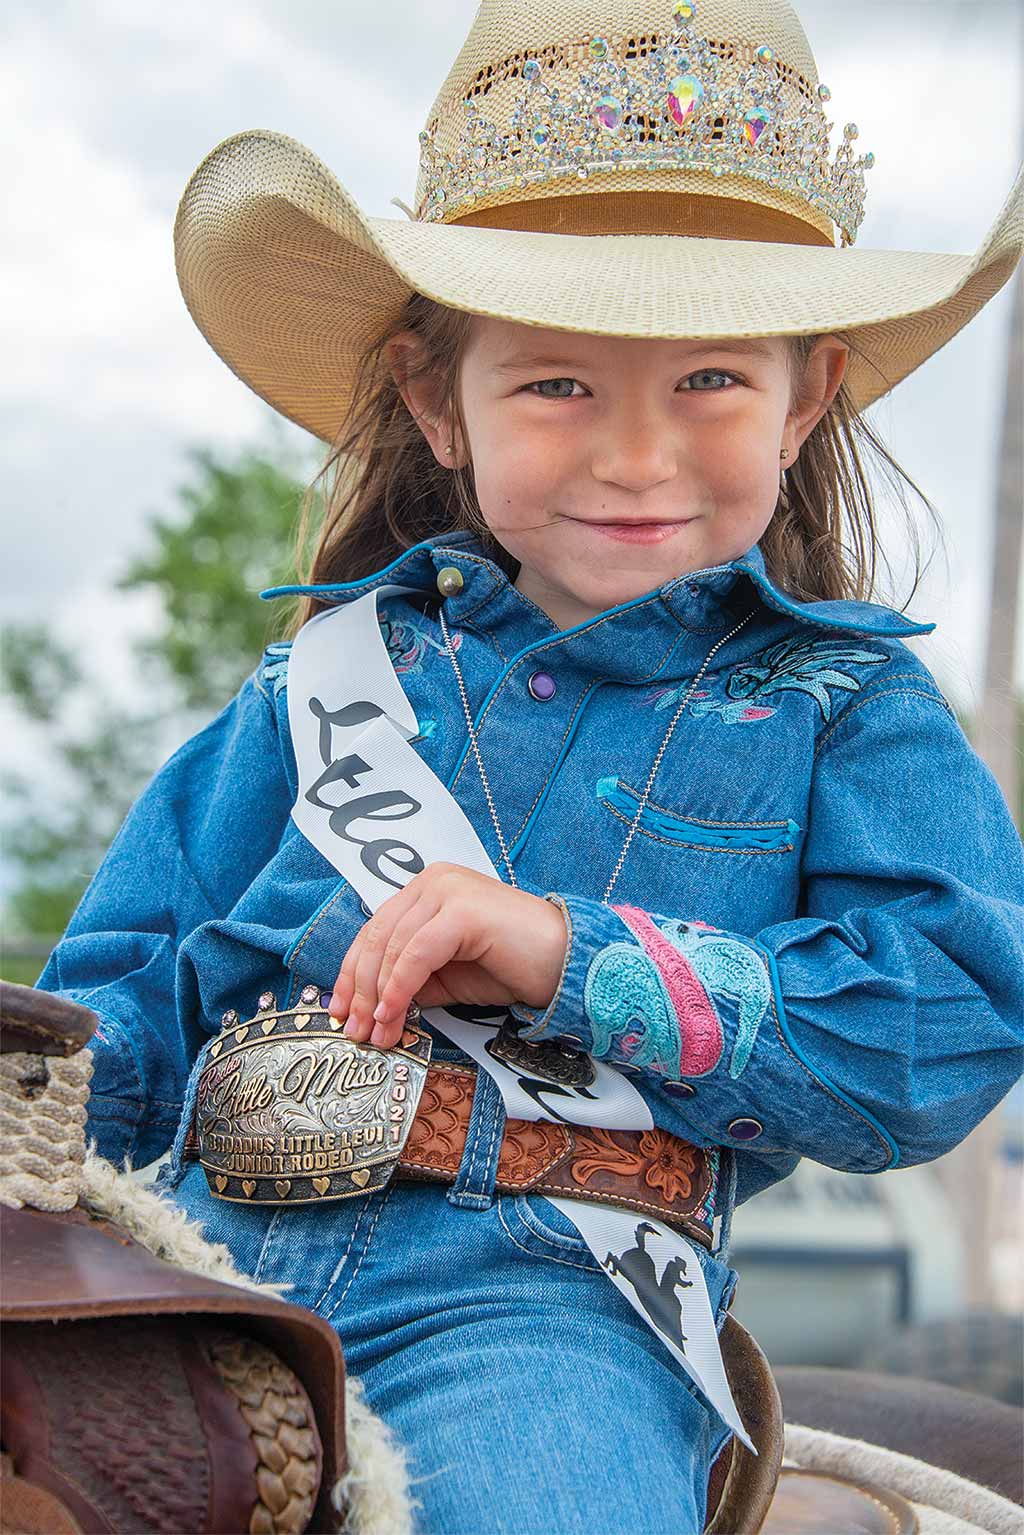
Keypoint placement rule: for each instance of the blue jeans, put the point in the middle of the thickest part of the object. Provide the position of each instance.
(529, 1395)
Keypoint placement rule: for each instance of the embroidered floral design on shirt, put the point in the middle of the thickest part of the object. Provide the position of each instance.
(703, 702)
(630, 1011)
(653, 1006)
(730, 968)
(408, 642)
(791, 665)
(275, 671)
(801, 665)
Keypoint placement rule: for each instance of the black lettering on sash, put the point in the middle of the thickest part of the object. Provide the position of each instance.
(387, 805)
(348, 715)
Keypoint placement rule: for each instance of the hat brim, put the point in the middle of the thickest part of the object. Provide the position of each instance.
(290, 282)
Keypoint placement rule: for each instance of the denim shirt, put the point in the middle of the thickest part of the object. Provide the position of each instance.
(815, 945)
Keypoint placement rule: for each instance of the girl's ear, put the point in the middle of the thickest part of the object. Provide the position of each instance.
(823, 373)
(407, 358)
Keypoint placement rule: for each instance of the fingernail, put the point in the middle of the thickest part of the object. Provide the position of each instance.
(379, 1035)
(380, 1012)
(349, 1029)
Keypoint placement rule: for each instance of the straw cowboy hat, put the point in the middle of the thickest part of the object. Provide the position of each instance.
(656, 168)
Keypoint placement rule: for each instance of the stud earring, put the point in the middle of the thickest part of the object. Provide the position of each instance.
(784, 453)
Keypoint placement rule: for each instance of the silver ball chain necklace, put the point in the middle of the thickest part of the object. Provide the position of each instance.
(450, 652)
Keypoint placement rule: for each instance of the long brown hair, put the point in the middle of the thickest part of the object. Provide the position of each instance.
(381, 489)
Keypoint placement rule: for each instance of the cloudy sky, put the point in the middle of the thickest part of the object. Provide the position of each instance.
(113, 103)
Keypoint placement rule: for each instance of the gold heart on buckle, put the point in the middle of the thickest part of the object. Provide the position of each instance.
(269, 1025)
(300, 1020)
(242, 1032)
(248, 1187)
(361, 1176)
(408, 1040)
(321, 1185)
(283, 1187)
(221, 1183)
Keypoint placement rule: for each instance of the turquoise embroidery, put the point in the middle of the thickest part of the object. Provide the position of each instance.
(611, 791)
(408, 642)
(790, 665)
(801, 665)
(702, 702)
(625, 995)
(732, 969)
(275, 672)
(630, 1012)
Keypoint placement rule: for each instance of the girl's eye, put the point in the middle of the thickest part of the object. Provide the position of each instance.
(707, 380)
(541, 382)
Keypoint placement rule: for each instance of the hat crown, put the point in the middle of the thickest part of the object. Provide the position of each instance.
(567, 100)
(507, 27)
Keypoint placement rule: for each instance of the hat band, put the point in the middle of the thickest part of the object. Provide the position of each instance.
(640, 212)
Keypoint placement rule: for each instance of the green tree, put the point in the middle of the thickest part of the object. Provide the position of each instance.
(233, 534)
(236, 537)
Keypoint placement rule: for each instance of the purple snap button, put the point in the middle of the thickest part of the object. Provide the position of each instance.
(745, 1129)
(325, 999)
(542, 686)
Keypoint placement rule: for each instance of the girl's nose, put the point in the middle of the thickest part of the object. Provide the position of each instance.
(634, 453)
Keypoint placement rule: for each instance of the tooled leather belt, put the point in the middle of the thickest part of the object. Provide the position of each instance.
(289, 1111)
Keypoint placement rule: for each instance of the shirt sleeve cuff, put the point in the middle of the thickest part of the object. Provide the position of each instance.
(549, 1023)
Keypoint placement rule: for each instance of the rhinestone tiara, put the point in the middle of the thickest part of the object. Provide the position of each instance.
(684, 103)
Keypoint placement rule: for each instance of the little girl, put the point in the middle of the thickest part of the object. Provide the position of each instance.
(589, 742)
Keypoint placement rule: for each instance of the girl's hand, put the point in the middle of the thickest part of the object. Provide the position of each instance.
(451, 935)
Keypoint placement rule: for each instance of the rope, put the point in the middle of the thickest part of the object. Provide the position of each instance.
(42, 1128)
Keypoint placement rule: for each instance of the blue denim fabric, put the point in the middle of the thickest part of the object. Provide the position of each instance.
(815, 948)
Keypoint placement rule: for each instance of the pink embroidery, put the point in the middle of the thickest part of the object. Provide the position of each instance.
(700, 1031)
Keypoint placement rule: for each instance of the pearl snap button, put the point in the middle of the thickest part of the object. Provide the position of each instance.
(679, 1089)
(745, 1129)
(366, 910)
(542, 686)
(449, 581)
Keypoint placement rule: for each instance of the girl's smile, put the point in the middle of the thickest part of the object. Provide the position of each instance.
(637, 532)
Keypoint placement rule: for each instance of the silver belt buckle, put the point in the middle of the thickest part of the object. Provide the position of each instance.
(290, 1112)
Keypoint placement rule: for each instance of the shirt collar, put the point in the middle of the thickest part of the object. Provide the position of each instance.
(695, 599)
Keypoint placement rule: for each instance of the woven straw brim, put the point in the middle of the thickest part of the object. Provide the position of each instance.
(290, 282)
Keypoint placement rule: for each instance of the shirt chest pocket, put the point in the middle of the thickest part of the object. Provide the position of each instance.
(677, 829)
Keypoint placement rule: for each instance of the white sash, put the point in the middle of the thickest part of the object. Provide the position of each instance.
(370, 804)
